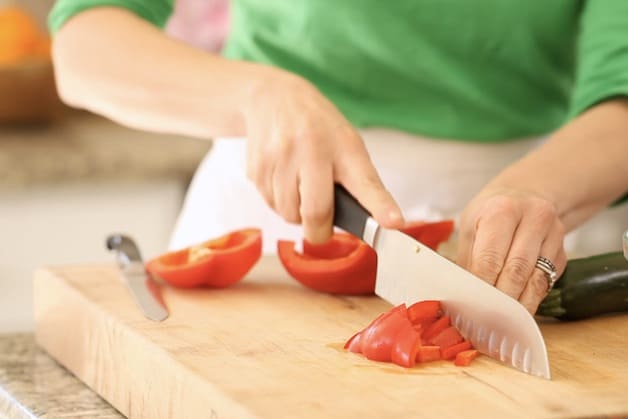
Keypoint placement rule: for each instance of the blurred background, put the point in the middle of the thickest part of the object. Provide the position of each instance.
(68, 178)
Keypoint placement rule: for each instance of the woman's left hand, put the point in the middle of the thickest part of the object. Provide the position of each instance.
(503, 231)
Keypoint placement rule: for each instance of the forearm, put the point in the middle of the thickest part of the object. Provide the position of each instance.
(582, 168)
(111, 62)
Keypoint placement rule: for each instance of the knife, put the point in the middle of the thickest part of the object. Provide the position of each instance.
(143, 288)
(408, 271)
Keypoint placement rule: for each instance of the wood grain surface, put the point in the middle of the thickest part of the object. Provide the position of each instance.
(270, 348)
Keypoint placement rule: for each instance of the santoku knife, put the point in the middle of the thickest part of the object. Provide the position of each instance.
(408, 271)
(143, 288)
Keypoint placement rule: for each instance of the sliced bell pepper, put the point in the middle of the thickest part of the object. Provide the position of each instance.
(451, 351)
(424, 312)
(378, 338)
(405, 346)
(464, 358)
(218, 263)
(393, 337)
(354, 344)
(435, 328)
(447, 338)
(428, 354)
(343, 265)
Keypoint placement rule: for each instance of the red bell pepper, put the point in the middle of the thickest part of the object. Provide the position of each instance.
(424, 312)
(396, 336)
(377, 340)
(346, 264)
(435, 328)
(406, 345)
(464, 358)
(430, 234)
(354, 344)
(453, 350)
(216, 263)
(428, 353)
(343, 265)
(446, 338)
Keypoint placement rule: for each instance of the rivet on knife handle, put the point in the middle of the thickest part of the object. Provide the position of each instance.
(143, 288)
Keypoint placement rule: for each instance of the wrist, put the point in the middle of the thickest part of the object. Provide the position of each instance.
(262, 85)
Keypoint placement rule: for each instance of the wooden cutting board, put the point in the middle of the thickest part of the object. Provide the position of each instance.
(270, 348)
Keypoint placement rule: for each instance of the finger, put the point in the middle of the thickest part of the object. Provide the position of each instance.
(286, 191)
(260, 172)
(286, 196)
(522, 255)
(316, 190)
(465, 243)
(357, 174)
(537, 286)
(493, 237)
(265, 186)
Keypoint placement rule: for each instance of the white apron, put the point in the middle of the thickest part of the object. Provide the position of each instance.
(430, 179)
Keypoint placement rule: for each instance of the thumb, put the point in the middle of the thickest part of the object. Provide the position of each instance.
(358, 175)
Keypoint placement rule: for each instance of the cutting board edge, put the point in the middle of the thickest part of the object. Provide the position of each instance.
(48, 287)
(84, 285)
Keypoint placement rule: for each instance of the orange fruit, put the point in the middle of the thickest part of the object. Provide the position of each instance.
(20, 37)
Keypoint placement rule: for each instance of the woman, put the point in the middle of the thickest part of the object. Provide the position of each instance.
(512, 115)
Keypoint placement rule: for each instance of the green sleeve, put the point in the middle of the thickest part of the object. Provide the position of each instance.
(602, 70)
(155, 11)
(602, 67)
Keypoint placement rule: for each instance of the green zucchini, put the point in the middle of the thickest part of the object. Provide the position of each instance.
(589, 287)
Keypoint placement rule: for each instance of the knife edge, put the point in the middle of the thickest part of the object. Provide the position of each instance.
(400, 258)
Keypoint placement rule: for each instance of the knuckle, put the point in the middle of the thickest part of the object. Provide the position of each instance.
(503, 205)
(283, 147)
(306, 131)
(560, 228)
(489, 263)
(517, 270)
(538, 284)
(561, 262)
(268, 197)
(290, 214)
(255, 172)
(251, 172)
(544, 211)
(316, 215)
(531, 307)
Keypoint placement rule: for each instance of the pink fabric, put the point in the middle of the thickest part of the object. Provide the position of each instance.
(201, 23)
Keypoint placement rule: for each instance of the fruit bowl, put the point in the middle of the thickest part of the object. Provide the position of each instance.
(27, 87)
(28, 93)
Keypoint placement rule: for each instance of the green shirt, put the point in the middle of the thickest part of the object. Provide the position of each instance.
(480, 70)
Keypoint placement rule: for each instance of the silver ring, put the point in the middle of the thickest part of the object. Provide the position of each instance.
(549, 269)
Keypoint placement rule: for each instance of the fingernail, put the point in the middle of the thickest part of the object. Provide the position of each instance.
(395, 217)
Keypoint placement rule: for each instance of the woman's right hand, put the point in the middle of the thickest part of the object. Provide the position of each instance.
(299, 145)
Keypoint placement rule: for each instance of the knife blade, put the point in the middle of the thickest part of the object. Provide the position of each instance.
(143, 288)
(408, 271)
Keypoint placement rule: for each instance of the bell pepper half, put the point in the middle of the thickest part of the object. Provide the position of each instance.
(218, 263)
(430, 234)
(342, 265)
(347, 265)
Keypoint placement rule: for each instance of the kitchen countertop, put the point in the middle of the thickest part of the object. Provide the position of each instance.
(81, 146)
(33, 385)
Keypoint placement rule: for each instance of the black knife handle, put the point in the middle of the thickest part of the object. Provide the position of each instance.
(349, 215)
